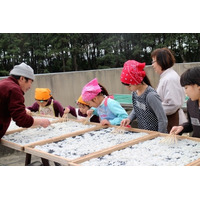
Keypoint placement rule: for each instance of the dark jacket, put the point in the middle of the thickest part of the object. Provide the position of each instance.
(193, 123)
(72, 111)
(12, 105)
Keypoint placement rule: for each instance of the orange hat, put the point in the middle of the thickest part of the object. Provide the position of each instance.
(42, 93)
(80, 100)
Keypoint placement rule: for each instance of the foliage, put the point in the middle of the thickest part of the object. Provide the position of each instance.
(60, 52)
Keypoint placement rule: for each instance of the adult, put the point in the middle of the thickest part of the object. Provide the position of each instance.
(12, 106)
(169, 88)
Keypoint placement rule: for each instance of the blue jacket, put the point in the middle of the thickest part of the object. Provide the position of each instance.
(111, 110)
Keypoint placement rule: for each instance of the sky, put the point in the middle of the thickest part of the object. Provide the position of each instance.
(105, 16)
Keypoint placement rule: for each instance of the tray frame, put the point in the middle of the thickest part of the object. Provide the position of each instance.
(19, 147)
(65, 161)
(130, 143)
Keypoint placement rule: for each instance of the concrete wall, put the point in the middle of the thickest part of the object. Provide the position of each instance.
(66, 87)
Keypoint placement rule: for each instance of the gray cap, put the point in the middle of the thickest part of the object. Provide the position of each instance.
(23, 70)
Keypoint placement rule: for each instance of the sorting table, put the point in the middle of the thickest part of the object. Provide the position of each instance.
(98, 145)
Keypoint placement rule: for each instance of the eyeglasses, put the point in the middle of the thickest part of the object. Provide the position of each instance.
(41, 100)
(153, 61)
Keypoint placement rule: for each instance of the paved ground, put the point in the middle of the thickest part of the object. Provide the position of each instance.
(15, 159)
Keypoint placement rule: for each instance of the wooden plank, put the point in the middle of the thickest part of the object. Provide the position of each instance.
(130, 143)
(135, 130)
(48, 156)
(11, 145)
(113, 148)
(53, 139)
(40, 115)
(181, 137)
(15, 130)
(62, 137)
(57, 119)
(194, 163)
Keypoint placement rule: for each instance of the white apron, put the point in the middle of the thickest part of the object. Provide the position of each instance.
(47, 110)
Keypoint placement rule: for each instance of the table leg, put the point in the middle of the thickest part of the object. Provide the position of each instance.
(28, 159)
(45, 162)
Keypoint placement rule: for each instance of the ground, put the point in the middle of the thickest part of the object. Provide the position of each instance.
(15, 159)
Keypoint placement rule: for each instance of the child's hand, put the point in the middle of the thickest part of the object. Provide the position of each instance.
(67, 110)
(28, 112)
(176, 130)
(90, 112)
(125, 122)
(104, 122)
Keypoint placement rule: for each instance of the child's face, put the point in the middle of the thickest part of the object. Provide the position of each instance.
(132, 88)
(94, 102)
(83, 108)
(42, 103)
(193, 91)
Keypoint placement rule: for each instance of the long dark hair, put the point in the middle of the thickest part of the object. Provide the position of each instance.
(146, 80)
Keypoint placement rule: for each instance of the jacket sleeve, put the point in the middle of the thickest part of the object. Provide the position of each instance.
(72, 111)
(118, 111)
(34, 107)
(59, 110)
(171, 96)
(187, 126)
(156, 106)
(17, 109)
(132, 115)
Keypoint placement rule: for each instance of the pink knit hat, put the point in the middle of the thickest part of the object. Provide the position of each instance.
(133, 72)
(91, 90)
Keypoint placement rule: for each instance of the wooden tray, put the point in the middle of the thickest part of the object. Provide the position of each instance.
(20, 147)
(108, 152)
(96, 153)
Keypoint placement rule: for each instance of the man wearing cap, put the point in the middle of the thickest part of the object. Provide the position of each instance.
(12, 91)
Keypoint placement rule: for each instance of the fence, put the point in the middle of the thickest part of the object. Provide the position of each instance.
(66, 87)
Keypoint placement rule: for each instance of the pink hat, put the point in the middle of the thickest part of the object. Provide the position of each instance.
(90, 90)
(133, 72)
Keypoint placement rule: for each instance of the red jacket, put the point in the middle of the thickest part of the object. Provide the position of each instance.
(12, 105)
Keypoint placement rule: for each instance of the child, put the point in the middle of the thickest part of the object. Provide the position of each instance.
(81, 112)
(108, 110)
(147, 106)
(45, 103)
(190, 79)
